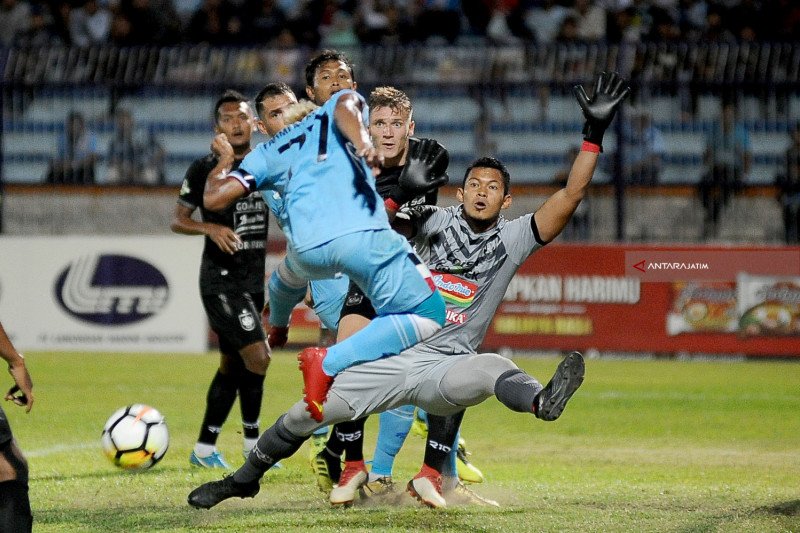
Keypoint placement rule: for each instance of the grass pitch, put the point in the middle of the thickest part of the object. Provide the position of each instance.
(643, 446)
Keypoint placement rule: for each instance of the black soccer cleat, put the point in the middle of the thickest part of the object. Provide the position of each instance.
(210, 494)
(552, 399)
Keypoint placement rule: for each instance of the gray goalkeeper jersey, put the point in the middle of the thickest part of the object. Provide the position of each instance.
(471, 270)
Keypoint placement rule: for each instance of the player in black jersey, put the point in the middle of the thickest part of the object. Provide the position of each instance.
(15, 506)
(231, 281)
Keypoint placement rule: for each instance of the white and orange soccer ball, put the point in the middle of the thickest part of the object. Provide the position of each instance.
(135, 437)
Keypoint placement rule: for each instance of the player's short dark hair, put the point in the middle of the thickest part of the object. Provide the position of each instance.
(228, 96)
(490, 162)
(324, 57)
(270, 90)
(390, 97)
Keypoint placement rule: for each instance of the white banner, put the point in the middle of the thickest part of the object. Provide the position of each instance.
(119, 294)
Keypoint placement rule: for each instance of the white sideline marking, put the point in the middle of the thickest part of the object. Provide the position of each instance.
(52, 450)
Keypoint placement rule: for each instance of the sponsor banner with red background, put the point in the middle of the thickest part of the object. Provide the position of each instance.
(736, 300)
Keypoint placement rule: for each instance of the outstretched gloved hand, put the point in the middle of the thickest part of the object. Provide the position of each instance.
(599, 110)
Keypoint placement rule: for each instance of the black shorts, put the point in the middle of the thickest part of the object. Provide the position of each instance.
(235, 318)
(5, 429)
(15, 507)
(356, 303)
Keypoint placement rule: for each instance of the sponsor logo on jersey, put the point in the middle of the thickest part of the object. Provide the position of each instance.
(111, 290)
(455, 318)
(354, 299)
(246, 320)
(455, 290)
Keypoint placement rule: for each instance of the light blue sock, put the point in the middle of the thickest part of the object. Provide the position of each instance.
(387, 335)
(394, 427)
(322, 430)
(282, 299)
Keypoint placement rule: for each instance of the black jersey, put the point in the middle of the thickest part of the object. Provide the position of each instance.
(221, 272)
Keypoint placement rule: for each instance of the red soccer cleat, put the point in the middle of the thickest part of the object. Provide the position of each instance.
(317, 382)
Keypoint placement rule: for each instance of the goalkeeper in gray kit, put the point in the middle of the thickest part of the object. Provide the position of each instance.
(473, 253)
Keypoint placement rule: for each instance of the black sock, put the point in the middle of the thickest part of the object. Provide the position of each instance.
(517, 390)
(251, 391)
(442, 432)
(341, 433)
(275, 443)
(219, 402)
(351, 434)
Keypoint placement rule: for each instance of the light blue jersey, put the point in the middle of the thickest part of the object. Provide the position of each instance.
(328, 294)
(311, 165)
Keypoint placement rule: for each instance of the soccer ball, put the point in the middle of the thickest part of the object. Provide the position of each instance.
(135, 437)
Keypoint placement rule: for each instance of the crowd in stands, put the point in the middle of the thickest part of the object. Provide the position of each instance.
(339, 23)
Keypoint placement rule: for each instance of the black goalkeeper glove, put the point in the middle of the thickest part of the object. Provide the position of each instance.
(609, 92)
(425, 170)
(426, 167)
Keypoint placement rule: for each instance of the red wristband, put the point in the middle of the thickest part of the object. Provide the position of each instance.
(391, 205)
(590, 147)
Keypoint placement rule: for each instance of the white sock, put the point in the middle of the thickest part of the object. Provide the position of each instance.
(204, 450)
(375, 477)
(248, 444)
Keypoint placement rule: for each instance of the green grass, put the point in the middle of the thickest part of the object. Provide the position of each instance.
(643, 446)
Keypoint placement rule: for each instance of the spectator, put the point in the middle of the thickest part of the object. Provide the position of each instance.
(266, 22)
(545, 20)
(77, 153)
(147, 25)
(209, 24)
(727, 160)
(591, 20)
(382, 21)
(339, 32)
(15, 19)
(788, 182)
(90, 24)
(40, 31)
(132, 161)
(643, 150)
(439, 18)
(122, 150)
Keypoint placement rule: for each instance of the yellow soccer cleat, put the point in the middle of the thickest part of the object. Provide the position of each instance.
(419, 427)
(467, 472)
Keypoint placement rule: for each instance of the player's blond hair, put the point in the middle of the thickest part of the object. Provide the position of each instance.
(393, 98)
(298, 111)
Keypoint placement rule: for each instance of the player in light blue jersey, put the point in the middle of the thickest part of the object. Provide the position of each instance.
(324, 296)
(322, 167)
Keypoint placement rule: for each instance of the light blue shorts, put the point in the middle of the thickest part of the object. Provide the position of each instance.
(381, 262)
(328, 296)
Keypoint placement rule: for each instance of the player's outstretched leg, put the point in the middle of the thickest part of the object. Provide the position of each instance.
(210, 494)
(550, 402)
(317, 382)
(277, 442)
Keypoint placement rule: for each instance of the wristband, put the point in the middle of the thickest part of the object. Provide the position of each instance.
(391, 205)
(591, 147)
